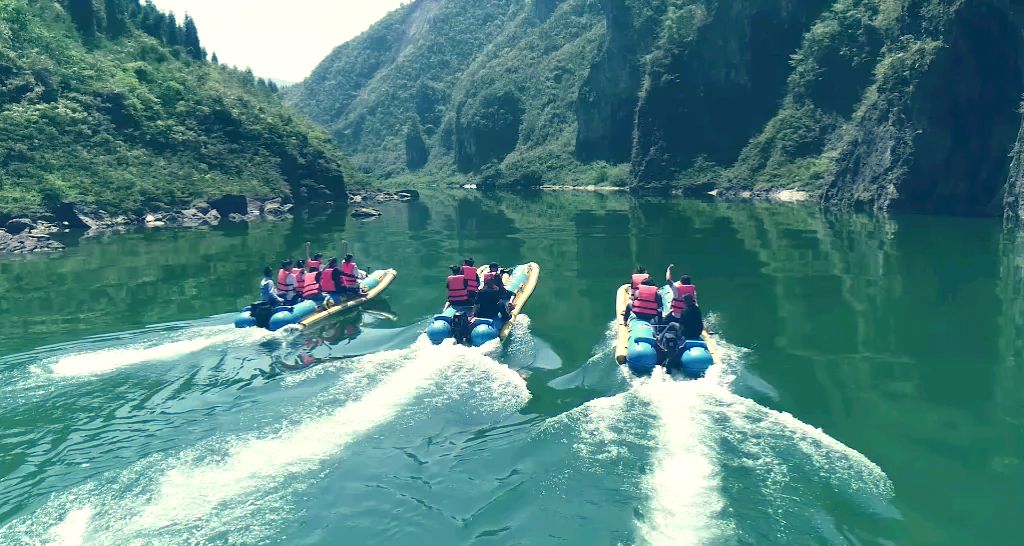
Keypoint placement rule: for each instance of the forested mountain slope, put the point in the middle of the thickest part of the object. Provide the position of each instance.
(884, 104)
(113, 103)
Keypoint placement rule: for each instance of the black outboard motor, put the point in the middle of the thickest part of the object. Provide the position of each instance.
(460, 327)
(262, 311)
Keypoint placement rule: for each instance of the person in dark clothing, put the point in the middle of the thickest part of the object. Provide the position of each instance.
(489, 301)
(691, 321)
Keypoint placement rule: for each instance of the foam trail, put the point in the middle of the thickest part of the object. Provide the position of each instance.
(109, 359)
(193, 493)
(71, 531)
(704, 431)
(684, 487)
(241, 491)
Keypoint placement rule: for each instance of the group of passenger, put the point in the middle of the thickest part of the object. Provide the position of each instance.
(646, 304)
(311, 279)
(466, 294)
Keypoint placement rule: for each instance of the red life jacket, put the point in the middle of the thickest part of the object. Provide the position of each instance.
(646, 301)
(677, 301)
(282, 284)
(489, 275)
(309, 286)
(457, 291)
(469, 272)
(314, 264)
(637, 279)
(348, 274)
(327, 281)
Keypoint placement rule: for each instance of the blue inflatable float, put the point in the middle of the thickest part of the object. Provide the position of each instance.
(453, 322)
(642, 346)
(306, 313)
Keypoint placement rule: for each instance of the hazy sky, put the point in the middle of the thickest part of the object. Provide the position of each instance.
(284, 39)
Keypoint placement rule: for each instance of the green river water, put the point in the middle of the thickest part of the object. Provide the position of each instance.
(871, 389)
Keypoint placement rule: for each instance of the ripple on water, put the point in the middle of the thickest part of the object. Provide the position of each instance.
(241, 487)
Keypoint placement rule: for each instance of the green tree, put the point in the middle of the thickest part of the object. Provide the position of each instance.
(172, 32)
(214, 58)
(116, 23)
(192, 45)
(83, 15)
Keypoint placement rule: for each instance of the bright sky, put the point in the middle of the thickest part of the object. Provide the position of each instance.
(284, 40)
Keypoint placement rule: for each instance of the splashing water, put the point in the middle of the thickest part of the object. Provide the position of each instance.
(241, 487)
(696, 441)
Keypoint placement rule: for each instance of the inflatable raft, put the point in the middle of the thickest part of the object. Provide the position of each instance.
(307, 313)
(451, 322)
(641, 345)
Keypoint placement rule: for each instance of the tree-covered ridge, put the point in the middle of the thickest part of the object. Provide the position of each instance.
(908, 104)
(113, 103)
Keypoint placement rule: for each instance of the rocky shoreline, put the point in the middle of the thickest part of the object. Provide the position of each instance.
(30, 235)
(768, 194)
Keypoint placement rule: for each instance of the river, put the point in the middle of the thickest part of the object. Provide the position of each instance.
(871, 389)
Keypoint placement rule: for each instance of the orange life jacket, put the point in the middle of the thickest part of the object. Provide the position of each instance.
(327, 281)
(309, 286)
(637, 279)
(646, 301)
(472, 280)
(283, 288)
(348, 274)
(677, 301)
(457, 291)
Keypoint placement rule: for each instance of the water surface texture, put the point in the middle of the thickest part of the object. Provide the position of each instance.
(870, 390)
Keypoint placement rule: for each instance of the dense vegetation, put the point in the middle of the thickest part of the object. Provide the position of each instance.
(877, 103)
(114, 103)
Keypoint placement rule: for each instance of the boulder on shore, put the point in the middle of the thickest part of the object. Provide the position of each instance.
(17, 225)
(27, 241)
(366, 213)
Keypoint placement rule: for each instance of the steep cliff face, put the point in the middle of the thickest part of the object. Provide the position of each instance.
(715, 79)
(872, 104)
(935, 133)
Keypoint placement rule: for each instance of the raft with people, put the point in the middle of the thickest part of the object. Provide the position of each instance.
(662, 327)
(482, 302)
(312, 292)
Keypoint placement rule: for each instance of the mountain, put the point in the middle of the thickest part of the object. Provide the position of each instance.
(878, 104)
(113, 104)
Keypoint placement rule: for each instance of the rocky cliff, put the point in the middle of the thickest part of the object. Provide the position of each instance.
(870, 104)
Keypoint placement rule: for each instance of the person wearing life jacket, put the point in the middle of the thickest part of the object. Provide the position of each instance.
(310, 284)
(459, 295)
(469, 271)
(644, 305)
(349, 276)
(286, 284)
(679, 289)
(639, 274)
(300, 276)
(316, 261)
(268, 292)
(492, 271)
(329, 280)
